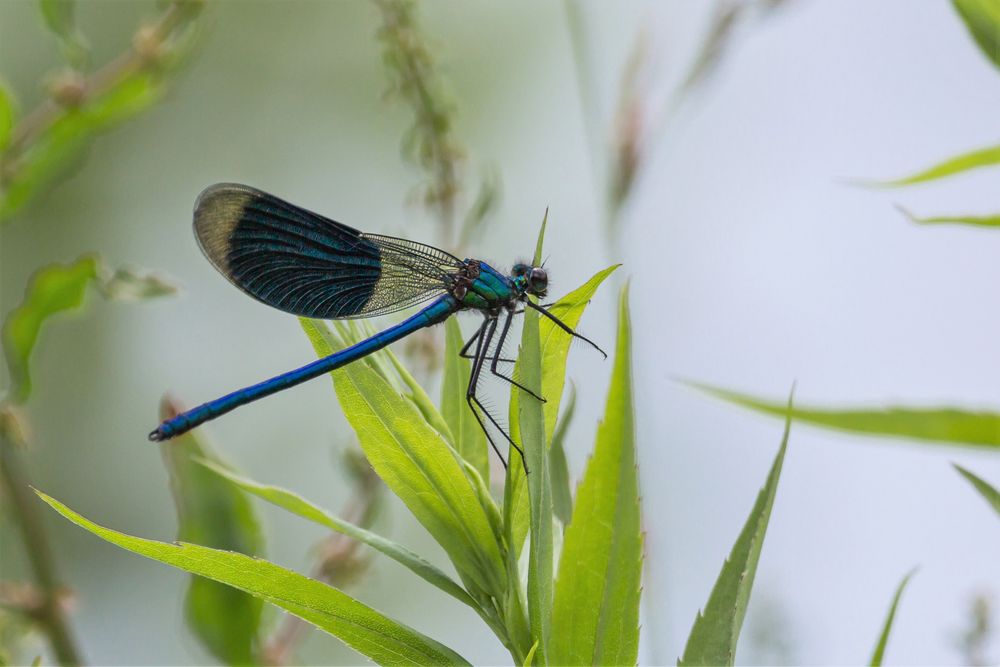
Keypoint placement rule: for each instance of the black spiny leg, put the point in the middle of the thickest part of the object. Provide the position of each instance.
(497, 359)
(485, 335)
(464, 352)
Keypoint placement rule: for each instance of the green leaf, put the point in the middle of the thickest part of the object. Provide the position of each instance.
(370, 633)
(988, 492)
(8, 114)
(976, 159)
(419, 466)
(555, 351)
(883, 639)
(982, 18)
(716, 631)
(296, 504)
(974, 220)
(213, 513)
(532, 432)
(52, 289)
(467, 437)
(562, 495)
(531, 655)
(60, 17)
(949, 425)
(596, 612)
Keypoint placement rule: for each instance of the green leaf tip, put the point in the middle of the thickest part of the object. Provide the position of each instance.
(992, 220)
(988, 491)
(596, 609)
(931, 424)
(982, 18)
(362, 628)
(883, 640)
(716, 630)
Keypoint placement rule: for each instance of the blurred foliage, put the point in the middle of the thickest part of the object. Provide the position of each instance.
(942, 425)
(974, 641)
(989, 493)
(61, 287)
(982, 18)
(213, 513)
(50, 141)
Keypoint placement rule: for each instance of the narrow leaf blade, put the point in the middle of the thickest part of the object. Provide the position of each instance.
(942, 425)
(596, 610)
(883, 639)
(367, 631)
(298, 505)
(971, 220)
(467, 437)
(562, 494)
(990, 493)
(975, 159)
(716, 631)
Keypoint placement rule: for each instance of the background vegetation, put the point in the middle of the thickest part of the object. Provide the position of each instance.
(708, 152)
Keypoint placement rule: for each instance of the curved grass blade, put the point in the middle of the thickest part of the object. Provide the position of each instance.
(296, 504)
(973, 220)
(982, 18)
(883, 639)
(596, 610)
(943, 425)
(975, 159)
(212, 513)
(716, 630)
(991, 494)
(419, 466)
(467, 436)
(362, 628)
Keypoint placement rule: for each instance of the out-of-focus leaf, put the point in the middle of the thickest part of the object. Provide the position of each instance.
(945, 425)
(596, 612)
(562, 494)
(53, 289)
(296, 504)
(974, 220)
(8, 114)
(982, 18)
(716, 631)
(60, 17)
(467, 437)
(988, 492)
(370, 633)
(532, 432)
(982, 157)
(131, 284)
(883, 639)
(418, 465)
(213, 513)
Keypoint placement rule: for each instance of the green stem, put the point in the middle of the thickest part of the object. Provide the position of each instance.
(49, 614)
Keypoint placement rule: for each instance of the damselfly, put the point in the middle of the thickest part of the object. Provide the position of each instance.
(308, 265)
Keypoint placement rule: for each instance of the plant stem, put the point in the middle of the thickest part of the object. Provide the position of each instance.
(49, 613)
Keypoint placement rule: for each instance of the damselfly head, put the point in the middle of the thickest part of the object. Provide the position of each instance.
(532, 279)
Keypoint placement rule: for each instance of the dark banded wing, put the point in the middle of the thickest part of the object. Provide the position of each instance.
(309, 265)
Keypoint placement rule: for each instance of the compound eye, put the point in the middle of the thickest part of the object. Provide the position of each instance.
(539, 279)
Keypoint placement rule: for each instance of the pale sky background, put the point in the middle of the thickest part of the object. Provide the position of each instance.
(752, 265)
